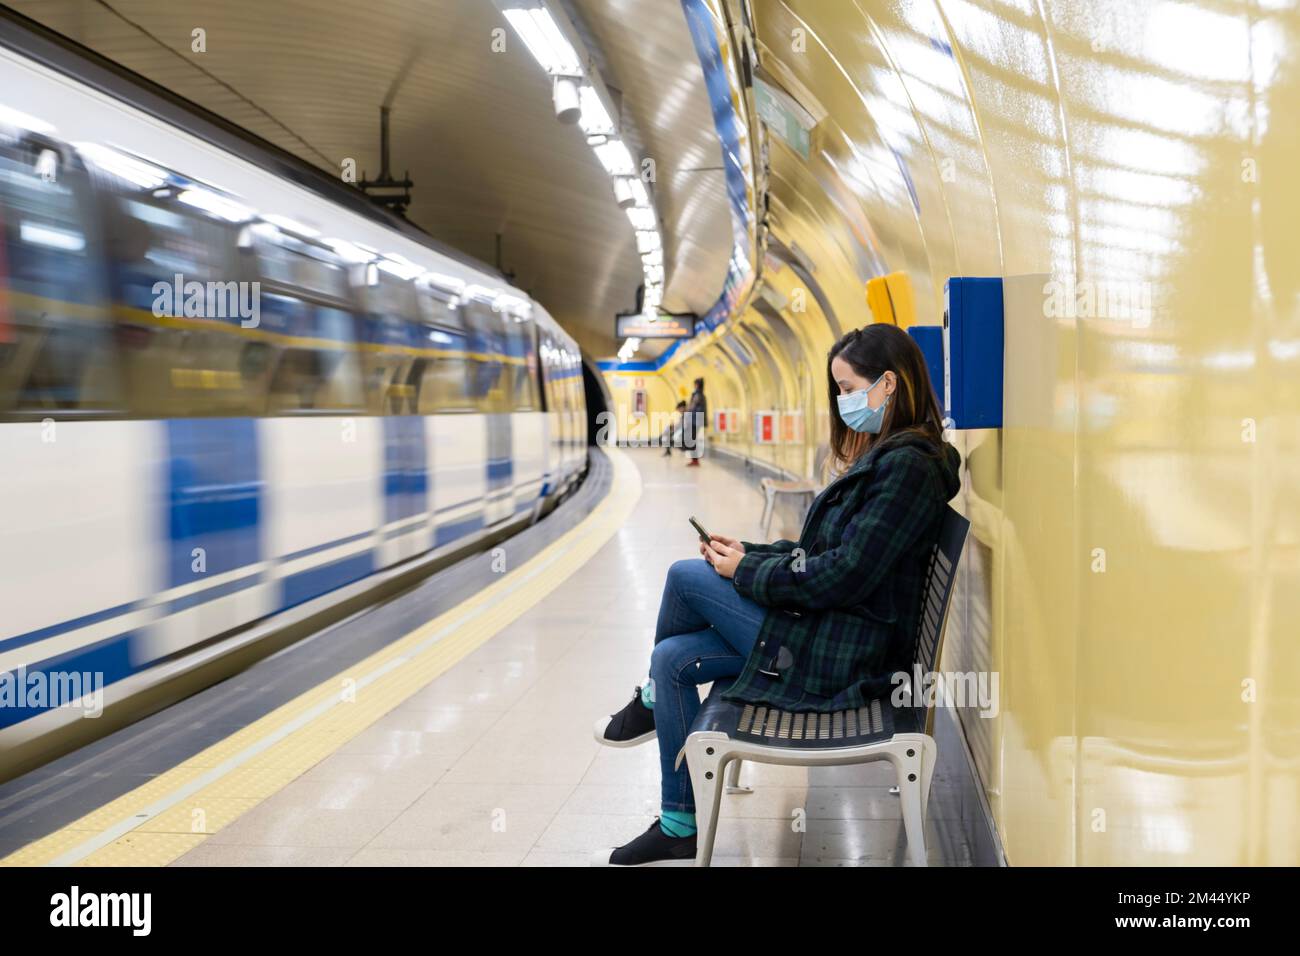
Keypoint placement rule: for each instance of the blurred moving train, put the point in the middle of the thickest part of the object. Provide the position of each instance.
(229, 387)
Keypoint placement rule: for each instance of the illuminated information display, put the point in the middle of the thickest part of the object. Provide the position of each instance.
(665, 327)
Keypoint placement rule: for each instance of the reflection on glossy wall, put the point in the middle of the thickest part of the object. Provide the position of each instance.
(1134, 574)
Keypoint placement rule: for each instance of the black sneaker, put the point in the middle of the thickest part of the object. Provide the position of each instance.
(652, 848)
(634, 724)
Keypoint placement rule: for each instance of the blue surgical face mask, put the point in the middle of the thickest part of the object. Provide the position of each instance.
(857, 414)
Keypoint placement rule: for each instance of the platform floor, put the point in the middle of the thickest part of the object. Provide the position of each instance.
(492, 762)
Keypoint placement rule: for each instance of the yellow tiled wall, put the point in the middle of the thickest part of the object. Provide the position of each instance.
(1133, 577)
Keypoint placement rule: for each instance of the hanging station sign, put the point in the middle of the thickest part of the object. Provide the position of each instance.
(638, 326)
(783, 115)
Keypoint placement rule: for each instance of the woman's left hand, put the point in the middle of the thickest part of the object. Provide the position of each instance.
(723, 558)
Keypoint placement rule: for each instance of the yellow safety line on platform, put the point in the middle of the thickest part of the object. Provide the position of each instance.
(163, 819)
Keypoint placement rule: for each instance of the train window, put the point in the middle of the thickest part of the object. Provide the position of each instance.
(307, 320)
(388, 361)
(390, 340)
(522, 365)
(307, 266)
(489, 385)
(55, 322)
(542, 344)
(158, 239)
(318, 372)
(437, 309)
(443, 385)
(185, 352)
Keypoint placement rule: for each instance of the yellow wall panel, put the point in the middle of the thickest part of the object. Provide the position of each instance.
(1133, 576)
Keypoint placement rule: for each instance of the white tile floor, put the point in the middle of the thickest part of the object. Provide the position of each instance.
(494, 763)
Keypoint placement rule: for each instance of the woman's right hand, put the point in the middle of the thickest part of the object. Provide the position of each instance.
(729, 542)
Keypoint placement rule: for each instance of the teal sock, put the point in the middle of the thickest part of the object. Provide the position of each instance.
(648, 694)
(677, 824)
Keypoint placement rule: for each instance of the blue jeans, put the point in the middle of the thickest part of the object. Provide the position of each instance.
(705, 633)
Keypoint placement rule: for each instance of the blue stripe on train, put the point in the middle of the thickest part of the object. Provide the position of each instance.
(446, 533)
(215, 502)
(211, 594)
(108, 660)
(54, 630)
(214, 494)
(324, 546)
(314, 582)
(406, 474)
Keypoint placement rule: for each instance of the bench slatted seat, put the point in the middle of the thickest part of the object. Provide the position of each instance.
(726, 733)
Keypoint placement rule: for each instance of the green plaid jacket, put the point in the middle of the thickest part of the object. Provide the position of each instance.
(845, 598)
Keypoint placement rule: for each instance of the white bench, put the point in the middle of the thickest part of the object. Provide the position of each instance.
(806, 488)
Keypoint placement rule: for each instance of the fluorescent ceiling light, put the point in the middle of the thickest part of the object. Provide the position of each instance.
(545, 41)
(595, 118)
(655, 258)
(639, 192)
(209, 201)
(647, 241)
(125, 167)
(654, 273)
(615, 158)
(642, 218)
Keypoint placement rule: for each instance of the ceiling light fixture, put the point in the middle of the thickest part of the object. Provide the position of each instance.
(616, 159)
(567, 101)
(647, 241)
(596, 117)
(540, 33)
(642, 218)
(580, 96)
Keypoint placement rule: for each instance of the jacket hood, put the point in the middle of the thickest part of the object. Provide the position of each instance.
(946, 469)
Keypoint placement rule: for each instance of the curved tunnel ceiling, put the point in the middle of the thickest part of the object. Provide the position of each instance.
(475, 128)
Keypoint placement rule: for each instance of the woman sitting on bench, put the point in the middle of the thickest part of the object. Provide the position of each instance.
(821, 624)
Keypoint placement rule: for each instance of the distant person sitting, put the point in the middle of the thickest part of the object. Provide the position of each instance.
(672, 435)
(694, 422)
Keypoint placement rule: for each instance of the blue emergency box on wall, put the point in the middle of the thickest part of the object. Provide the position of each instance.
(929, 338)
(972, 352)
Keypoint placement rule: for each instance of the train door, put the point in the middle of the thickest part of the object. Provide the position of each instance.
(489, 386)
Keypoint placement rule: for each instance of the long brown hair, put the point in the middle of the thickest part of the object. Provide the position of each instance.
(870, 352)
